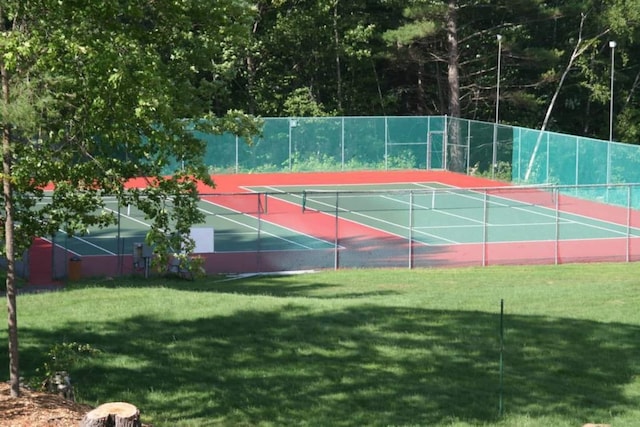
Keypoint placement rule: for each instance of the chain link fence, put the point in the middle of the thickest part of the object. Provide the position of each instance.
(575, 169)
(506, 153)
(325, 229)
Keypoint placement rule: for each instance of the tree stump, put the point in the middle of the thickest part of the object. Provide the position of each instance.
(113, 414)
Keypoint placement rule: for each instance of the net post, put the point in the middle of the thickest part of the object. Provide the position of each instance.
(304, 201)
(262, 205)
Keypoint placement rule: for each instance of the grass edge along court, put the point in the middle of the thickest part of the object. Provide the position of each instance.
(355, 347)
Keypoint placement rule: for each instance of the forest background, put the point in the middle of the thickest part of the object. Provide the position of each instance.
(441, 57)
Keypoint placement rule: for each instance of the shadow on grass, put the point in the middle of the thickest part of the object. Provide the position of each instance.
(364, 365)
(271, 285)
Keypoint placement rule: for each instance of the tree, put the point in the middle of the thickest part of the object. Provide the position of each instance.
(97, 93)
(333, 64)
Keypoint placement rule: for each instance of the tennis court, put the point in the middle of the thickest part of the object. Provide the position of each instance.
(284, 222)
(432, 213)
(234, 231)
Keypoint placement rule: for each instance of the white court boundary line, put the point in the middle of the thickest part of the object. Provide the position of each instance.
(391, 233)
(332, 245)
(562, 218)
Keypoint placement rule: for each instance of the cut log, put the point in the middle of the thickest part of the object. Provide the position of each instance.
(113, 414)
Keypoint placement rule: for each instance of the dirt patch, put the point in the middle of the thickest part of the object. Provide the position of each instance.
(35, 409)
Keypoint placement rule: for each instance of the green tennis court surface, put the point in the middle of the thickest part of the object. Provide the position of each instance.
(427, 213)
(434, 214)
(233, 231)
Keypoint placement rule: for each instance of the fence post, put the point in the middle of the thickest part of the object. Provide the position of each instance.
(445, 143)
(429, 149)
(342, 144)
(484, 227)
(410, 230)
(259, 242)
(548, 154)
(468, 147)
(386, 143)
(519, 157)
(577, 166)
(556, 195)
(291, 122)
(629, 204)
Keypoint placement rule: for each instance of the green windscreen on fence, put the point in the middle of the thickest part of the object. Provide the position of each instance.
(520, 155)
(482, 147)
(597, 166)
(332, 143)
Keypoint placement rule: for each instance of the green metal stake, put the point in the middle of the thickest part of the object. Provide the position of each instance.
(500, 405)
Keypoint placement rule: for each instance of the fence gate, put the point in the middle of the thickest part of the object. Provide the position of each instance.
(435, 150)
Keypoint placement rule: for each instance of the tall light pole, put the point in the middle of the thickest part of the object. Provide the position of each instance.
(495, 126)
(612, 45)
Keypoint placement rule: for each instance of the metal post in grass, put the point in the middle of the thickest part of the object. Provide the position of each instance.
(336, 243)
(501, 367)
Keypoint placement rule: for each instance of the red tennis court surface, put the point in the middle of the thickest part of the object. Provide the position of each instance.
(356, 245)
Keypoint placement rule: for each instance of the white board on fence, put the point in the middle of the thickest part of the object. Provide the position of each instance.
(203, 237)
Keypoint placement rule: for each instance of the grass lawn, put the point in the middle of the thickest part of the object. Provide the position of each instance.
(354, 347)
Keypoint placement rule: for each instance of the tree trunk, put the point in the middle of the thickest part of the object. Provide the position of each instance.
(336, 40)
(251, 66)
(113, 414)
(578, 50)
(455, 150)
(7, 192)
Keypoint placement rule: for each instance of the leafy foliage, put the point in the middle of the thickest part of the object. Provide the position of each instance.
(62, 357)
(96, 94)
(99, 96)
(389, 57)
